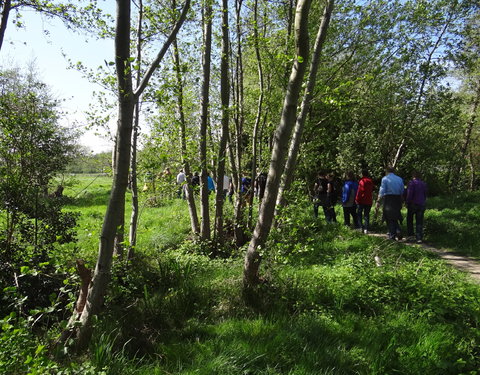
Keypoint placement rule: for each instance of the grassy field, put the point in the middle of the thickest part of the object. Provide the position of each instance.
(326, 306)
(161, 227)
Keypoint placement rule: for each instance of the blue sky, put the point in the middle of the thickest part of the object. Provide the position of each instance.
(22, 46)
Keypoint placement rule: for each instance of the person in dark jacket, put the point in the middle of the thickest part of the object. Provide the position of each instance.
(415, 201)
(329, 208)
(320, 194)
(364, 199)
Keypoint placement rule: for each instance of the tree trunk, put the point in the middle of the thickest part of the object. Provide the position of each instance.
(112, 219)
(279, 152)
(258, 117)
(7, 6)
(289, 173)
(205, 101)
(116, 204)
(133, 169)
(132, 237)
(239, 229)
(225, 98)
(183, 140)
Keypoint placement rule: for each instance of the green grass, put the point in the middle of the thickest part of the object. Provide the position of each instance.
(159, 228)
(325, 308)
(453, 222)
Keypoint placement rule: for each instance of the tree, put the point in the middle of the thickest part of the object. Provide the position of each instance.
(126, 103)
(305, 106)
(72, 15)
(281, 139)
(34, 148)
(225, 102)
(205, 103)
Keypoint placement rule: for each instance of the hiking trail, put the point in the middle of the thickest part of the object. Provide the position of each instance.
(461, 262)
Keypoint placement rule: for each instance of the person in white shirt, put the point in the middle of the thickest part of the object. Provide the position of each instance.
(226, 185)
(181, 179)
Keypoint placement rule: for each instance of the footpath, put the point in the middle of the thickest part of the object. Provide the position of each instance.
(461, 262)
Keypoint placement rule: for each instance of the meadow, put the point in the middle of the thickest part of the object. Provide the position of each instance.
(326, 306)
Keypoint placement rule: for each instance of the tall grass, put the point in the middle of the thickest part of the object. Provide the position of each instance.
(453, 222)
(325, 307)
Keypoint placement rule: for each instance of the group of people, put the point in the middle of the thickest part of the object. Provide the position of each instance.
(245, 188)
(357, 200)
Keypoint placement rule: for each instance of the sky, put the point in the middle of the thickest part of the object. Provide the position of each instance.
(22, 46)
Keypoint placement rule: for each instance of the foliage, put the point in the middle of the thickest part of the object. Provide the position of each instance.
(175, 310)
(85, 162)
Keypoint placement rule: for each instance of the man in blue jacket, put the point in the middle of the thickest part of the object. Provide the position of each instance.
(349, 192)
(391, 190)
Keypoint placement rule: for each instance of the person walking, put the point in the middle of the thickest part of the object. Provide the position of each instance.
(245, 189)
(181, 180)
(210, 184)
(391, 191)
(364, 199)
(260, 184)
(349, 193)
(329, 208)
(320, 194)
(415, 201)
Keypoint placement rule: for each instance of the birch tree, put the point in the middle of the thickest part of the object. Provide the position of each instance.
(280, 146)
(80, 324)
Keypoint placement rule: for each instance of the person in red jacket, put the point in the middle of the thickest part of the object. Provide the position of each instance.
(364, 200)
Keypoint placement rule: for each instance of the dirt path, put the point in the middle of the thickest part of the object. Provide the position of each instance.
(461, 262)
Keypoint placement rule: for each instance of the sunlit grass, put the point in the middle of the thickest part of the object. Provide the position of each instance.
(326, 307)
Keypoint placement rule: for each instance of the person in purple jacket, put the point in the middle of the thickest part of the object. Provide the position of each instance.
(415, 201)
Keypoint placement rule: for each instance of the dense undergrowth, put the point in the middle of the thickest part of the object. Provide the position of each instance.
(326, 307)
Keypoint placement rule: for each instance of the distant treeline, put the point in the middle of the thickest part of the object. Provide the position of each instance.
(91, 163)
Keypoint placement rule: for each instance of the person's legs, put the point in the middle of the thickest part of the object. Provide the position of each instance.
(332, 216)
(366, 212)
(326, 213)
(315, 208)
(360, 210)
(419, 223)
(392, 229)
(410, 214)
(353, 212)
(346, 216)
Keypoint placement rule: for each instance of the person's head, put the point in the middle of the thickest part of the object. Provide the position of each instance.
(181, 170)
(390, 169)
(417, 175)
(350, 176)
(365, 173)
(330, 176)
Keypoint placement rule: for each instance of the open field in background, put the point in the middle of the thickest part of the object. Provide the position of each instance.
(159, 227)
(325, 308)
